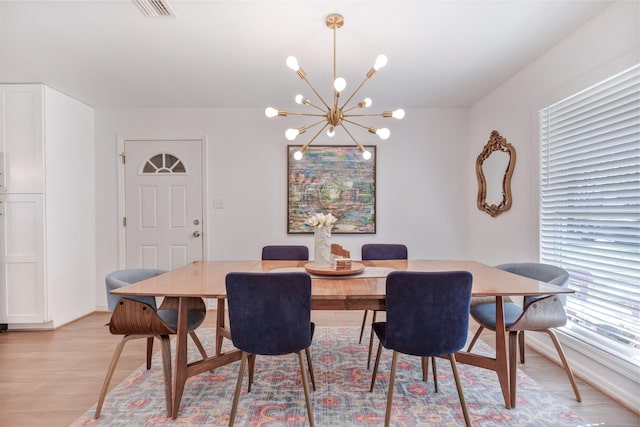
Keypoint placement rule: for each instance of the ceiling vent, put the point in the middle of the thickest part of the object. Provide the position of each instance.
(155, 8)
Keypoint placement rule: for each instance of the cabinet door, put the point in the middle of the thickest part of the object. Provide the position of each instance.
(21, 139)
(22, 288)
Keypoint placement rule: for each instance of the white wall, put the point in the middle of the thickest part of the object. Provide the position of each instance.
(606, 45)
(70, 207)
(419, 185)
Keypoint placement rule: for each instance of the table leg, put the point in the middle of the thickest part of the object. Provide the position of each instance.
(180, 376)
(502, 359)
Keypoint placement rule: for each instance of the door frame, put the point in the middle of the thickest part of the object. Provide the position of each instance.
(122, 232)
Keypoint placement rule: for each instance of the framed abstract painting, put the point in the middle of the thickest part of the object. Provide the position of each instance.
(332, 179)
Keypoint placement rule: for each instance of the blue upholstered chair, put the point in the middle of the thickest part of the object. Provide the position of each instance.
(427, 316)
(285, 252)
(379, 251)
(270, 314)
(538, 313)
(136, 317)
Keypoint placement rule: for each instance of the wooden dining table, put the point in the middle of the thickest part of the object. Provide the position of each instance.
(206, 280)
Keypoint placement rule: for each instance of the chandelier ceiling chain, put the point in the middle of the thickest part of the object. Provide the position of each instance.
(335, 115)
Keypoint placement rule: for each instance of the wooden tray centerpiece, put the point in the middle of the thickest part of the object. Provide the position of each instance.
(355, 268)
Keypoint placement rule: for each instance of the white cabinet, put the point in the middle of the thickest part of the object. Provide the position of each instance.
(22, 255)
(47, 208)
(21, 138)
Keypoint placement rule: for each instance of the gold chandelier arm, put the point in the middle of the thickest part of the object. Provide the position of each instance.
(307, 114)
(355, 123)
(304, 77)
(305, 146)
(356, 91)
(354, 140)
(307, 102)
(358, 105)
(316, 124)
(367, 115)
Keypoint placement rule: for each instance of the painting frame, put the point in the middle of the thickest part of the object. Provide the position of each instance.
(332, 179)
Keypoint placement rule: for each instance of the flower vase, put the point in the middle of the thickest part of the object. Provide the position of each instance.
(322, 247)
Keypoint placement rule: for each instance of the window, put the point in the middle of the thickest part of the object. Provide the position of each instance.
(163, 163)
(590, 209)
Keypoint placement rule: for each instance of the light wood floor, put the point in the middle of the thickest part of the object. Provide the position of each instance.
(52, 377)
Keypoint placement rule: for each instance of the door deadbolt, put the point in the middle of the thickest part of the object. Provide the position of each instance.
(196, 222)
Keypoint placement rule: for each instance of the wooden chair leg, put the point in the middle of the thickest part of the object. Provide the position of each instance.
(252, 368)
(310, 366)
(375, 367)
(114, 362)
(475, 338)
(371, 340)
(563, 358)
(435, 373)
(425, 371)
(364, 322)
(463, 404)
(305, 385)
(112, 368)
(149, 352)
(166, 370)
(236, 395)
(513, 367)
(521, 345)
(425, 368)
(392, 379)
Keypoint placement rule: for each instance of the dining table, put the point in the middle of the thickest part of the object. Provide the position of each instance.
(364, 290)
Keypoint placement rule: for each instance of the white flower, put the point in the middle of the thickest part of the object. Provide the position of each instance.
(321, 220)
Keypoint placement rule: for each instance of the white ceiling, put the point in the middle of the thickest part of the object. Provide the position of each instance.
(232, 53)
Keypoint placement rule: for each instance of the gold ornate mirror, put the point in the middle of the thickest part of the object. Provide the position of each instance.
(497, 156)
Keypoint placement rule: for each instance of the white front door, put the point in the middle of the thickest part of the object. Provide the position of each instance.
(163, 203)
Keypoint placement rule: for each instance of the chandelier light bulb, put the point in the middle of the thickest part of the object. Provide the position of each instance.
(299, 99)
(366, 155)
(367, 102)
(381, 61)
(270, 112)
(331, 132)
(297, 155)
(291, 134)
(383, 133)
(292, 63)
(398, 114)
(340, 84)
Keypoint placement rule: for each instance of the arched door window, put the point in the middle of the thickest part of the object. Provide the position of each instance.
(163, 163)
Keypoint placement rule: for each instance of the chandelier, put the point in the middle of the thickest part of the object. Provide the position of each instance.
(336, 114)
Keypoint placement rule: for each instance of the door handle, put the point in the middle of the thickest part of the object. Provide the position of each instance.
(196, 233)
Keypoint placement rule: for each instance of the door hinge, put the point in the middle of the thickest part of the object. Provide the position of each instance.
(124, 157)
(124, 221)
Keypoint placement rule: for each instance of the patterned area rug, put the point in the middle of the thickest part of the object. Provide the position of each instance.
(342, 397)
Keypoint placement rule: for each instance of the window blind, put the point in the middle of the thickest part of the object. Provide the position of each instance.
(590, 209)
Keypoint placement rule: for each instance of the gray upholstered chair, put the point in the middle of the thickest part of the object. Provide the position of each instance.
(427, 316)
(270, 314)
(538, 313)
(285, 252)
(379, 251)
(136, 317)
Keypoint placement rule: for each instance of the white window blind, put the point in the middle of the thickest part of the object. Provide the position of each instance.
(590, 209)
